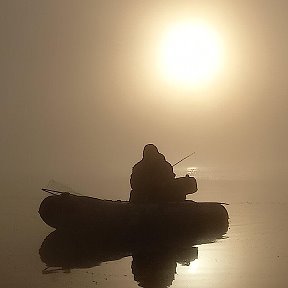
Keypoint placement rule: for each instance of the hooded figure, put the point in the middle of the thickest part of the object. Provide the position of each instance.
(151, 177)
(153, 180)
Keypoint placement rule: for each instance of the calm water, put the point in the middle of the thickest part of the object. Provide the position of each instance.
(253, 253)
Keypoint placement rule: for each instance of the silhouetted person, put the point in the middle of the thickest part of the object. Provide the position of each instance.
(150, 177)
(153, 180)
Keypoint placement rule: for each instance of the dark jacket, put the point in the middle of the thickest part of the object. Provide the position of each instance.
(150, 179)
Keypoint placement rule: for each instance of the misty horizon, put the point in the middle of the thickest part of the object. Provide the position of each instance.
(82, 94)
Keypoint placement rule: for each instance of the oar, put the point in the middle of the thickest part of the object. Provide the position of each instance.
(183, 159)
(53, 191)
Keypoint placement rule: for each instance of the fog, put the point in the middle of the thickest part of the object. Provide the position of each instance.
(81, 94)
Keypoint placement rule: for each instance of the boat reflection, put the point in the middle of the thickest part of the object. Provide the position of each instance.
(154, 255)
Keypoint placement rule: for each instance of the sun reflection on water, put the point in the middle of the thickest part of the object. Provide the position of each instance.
(193, 267)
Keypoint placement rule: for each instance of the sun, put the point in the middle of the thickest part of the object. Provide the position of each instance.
(190, 53)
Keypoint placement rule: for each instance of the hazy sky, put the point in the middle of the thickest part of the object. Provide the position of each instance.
(81, 94)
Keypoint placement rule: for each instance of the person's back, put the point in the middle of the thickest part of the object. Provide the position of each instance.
(151, 177)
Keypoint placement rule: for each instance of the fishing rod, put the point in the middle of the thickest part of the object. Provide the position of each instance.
(183, 159)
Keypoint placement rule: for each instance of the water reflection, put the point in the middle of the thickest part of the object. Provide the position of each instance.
(154, 255)
(156, 266)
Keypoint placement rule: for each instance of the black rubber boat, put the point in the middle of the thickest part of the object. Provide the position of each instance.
(67, 212)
